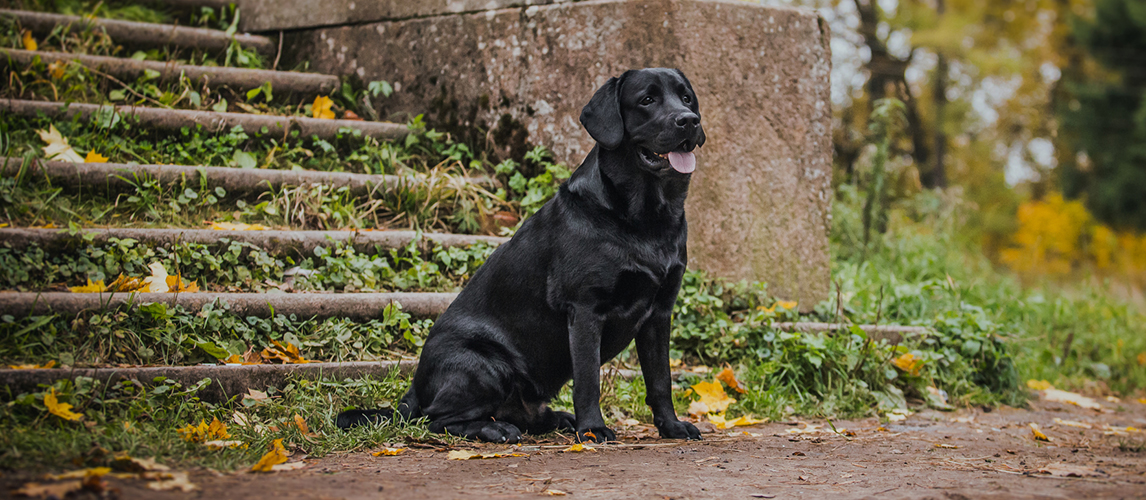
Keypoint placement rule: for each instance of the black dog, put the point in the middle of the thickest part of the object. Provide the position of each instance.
(596, 267)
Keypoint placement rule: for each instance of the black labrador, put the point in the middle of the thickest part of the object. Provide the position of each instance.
(599, 265)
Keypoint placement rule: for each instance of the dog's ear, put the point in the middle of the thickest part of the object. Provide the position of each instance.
(602, 116)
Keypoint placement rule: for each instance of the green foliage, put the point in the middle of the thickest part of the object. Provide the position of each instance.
(1106, 117)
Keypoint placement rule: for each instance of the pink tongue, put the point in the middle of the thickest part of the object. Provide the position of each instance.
(684, 163)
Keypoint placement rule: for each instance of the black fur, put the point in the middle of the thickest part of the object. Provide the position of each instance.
(597, 267)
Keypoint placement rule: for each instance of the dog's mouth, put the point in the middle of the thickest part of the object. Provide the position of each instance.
(682, 159)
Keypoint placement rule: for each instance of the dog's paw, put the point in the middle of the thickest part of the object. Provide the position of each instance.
(596, 434)
(679, 430)
(565, 421)
(499, 432)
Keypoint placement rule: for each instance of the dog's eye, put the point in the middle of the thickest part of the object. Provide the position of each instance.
(648, 100)
(686, 99)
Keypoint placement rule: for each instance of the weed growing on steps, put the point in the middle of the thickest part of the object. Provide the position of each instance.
(230, 266)
(433, 193)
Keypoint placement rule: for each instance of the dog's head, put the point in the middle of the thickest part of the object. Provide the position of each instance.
(652, 111)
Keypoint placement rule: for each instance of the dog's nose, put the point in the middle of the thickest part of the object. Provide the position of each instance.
(688, 120)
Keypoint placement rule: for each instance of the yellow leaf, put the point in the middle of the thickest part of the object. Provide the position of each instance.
(97, 287)
(578, 448)
(204, 432)
(301, 424)
(1142, 359)
(56, 490)
(389, 452)
(1039, 385)
(1039, 436)
(908, 364)
(946, 446)
(729, 379)
(50, 225)
(157, 282)
(321, 108)
(1073, 423)
(57, 146)
(1142, 401)
(82, 473)
(237, 226)
(56, 69)
(94, 157)
(898, 414)
(807, 429)
(697, 408)
(787, 304)
(33, 366)
(554, 493)
(220, 444)
(713, 396)
(175, 285)
(62, 410)
(275, 456)
(721, 423)
(126, 284)
(234, 359)
(173, 481)
(288, 354)
(29, 42)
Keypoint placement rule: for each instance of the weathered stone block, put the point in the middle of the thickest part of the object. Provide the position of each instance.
(759, 206)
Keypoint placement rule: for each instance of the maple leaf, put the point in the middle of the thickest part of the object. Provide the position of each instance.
(236, 226)
(57, 146)
(175, 285)
(49, 364)
(29, 42)
(62, 410)
(713, 396)
(721, 423)
(97, 287)
(729, 378)
(94, 157)
(275, 456)
(578, 448)
(908, 364)
(321, 108)
(389, 452)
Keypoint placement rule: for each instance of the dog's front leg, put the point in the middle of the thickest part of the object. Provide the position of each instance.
(653, 349)
(585, 347)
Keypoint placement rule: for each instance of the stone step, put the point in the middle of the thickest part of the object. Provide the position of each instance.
(143, 34)
(286, 85)
(290, 243)
(175, 119)
(237, 182)
(353, 306)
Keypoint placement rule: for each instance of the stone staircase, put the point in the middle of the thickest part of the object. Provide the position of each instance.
(116, 179)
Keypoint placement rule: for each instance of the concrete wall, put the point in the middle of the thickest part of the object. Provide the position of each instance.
(759, 206)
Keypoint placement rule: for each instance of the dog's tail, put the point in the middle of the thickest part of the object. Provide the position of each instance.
(408, 409)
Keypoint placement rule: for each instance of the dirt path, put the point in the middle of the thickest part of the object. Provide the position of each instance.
(982, 455)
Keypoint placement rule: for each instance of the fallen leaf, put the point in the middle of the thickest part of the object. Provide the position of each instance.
(288, 354)
(56, 69)
(473, 455)
(1119, 431)
(29, 44)
(175, 285)
(1073, 423)
(1079, 400)
(125, 462)
(1069, 470)
(55, 490)
(554, 493)
(946, 446)
(697, 408)
(301, 424)
(1142, 401)
(204, 432)
(175, 481)
(729, 378)
(908, 364)
(288, 466)
(389, 452)
(629, 422)
(713, 396)
(1112, 399)
(721, 423)
(1039, 385)
(124, 284)
(898, 414)
(50, 225)
(806, 429)
(1038, 434)
(350, 115)
(321, 108)
(82, 473)
(62, 410)
(157, 282)
(275, 456)
(236, 226)
(781, 304)
(578, 448)
(57, 146)
(220, 444)
(49, 364)
(255, 395)
(94, 157)
(97, 287)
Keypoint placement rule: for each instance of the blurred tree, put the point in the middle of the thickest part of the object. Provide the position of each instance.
(1104, 119)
